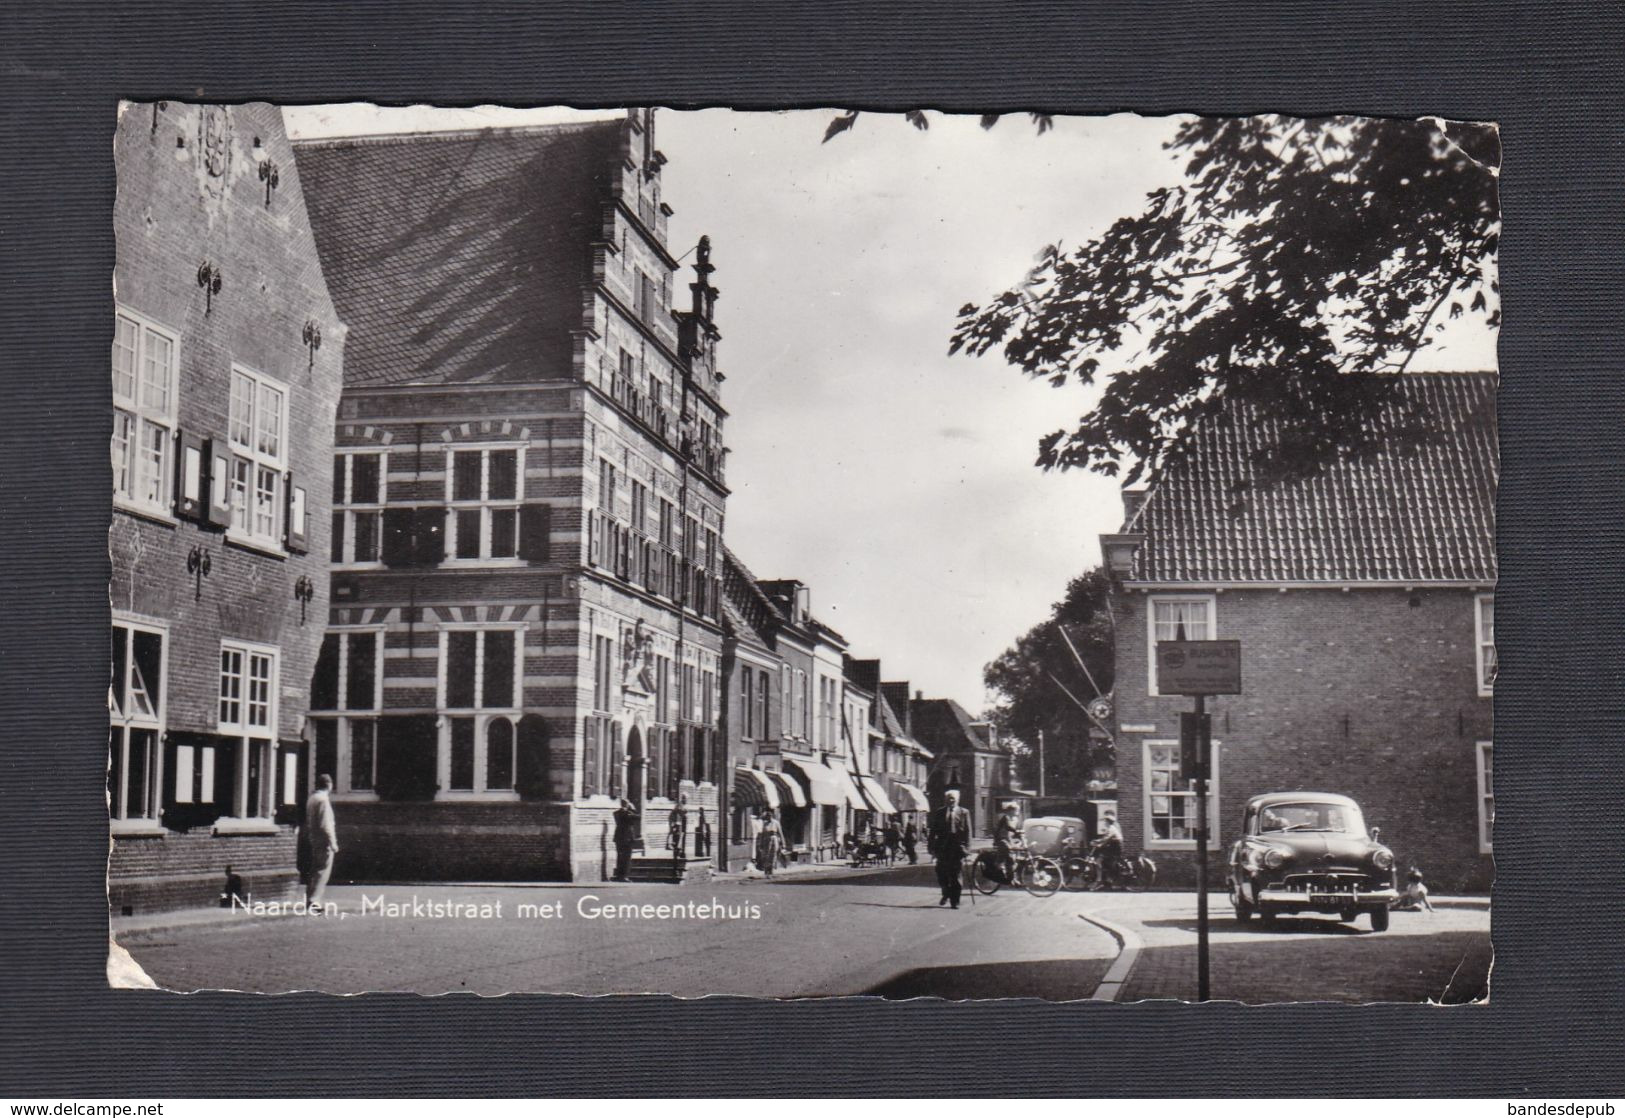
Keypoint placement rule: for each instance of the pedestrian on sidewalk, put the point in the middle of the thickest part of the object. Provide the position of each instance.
(948, 838)
(320, 840)
(911, 839)
(769, 841)
(626, 833)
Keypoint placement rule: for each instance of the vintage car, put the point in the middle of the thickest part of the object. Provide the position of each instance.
(1309, 852)
(1052, 835)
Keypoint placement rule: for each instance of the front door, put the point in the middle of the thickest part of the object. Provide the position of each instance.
(635, 765)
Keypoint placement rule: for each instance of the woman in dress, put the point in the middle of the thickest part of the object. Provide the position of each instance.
(769, 841)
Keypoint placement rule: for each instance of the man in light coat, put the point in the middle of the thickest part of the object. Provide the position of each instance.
(321, 839)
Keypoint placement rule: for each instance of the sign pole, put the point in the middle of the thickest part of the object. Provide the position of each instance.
(1202, 748)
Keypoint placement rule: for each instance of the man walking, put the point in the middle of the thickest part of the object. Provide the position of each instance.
(321, 839)
(948, 837)
(626, 832)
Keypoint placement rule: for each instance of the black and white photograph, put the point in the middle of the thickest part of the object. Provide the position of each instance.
(803, 554)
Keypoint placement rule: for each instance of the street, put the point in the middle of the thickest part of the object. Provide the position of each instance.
(819, 934)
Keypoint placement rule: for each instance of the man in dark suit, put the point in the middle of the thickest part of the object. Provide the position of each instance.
(626, 832)
(948, 838)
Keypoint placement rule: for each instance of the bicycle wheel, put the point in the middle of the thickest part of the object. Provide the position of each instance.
(1042, 877)
(982, 878)
(1075, 873)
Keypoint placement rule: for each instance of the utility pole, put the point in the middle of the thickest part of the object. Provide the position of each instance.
(1041, 764)
(1202, 749)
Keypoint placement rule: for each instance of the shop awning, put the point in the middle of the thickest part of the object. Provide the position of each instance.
(909, 798)
(849, 786)
(791, 794)
(825, 785)
(754, 789)
(876, 795)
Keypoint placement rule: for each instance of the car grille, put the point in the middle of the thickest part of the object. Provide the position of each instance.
(1327, 882)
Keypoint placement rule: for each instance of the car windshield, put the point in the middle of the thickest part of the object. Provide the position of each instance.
(1337, 818)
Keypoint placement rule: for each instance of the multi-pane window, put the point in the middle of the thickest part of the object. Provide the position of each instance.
(667, 511)
(747, 702)
(480, 700)
(484, 488)
(1486, 796)
(144, 363)
(348, 678)
(1171, 813)
(603, 668)
(256, 432)
(247, 715)
(640, 497)
(358, 506)
(707, 688)
(1485, 630)
(686, 700)
(761, 702)
(606, 486)
(135, 704)
(1188, 618)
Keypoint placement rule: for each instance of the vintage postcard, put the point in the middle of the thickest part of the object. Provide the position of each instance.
(802, 554)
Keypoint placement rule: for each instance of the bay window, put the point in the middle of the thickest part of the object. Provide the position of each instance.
(144, 391)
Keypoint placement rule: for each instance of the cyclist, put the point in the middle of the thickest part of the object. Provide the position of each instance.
(1110, 847)
(1008, 838)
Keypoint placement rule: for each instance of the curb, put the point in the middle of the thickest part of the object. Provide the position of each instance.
(1130, 944)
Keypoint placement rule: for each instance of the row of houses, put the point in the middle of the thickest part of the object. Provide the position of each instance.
(419, 481)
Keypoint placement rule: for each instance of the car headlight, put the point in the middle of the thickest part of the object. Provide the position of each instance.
(1383, 859)
(1274, 858)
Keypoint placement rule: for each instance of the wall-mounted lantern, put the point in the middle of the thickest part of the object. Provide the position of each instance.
(304, 591)
(197, 565)
(312, 336)
(208, 278)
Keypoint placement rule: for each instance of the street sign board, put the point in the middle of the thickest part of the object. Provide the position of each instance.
(1199, 667)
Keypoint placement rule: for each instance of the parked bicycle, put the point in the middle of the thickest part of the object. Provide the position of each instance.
(1093, 870)
(1038, 875)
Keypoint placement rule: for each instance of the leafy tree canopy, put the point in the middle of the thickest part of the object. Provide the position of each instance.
(1033, 678)
(1295, 259)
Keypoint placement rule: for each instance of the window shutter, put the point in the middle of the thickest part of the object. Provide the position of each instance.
(397, 543)
(218, 482)
(617, 758)
(430, 544)
(532, 780)
(535, 533)
(589, 757)
(296, 524)
(191, 476)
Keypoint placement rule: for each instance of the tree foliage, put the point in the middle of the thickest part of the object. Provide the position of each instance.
(1030, 675)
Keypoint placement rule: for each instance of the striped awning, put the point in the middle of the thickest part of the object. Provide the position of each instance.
(909, 798)
(754, 789)
(876, 795)
(791, 794)
(825, 785)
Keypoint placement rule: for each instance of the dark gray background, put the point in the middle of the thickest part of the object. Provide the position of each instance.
(1550, 73)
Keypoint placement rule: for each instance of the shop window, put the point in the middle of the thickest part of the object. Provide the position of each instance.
(1171, 812)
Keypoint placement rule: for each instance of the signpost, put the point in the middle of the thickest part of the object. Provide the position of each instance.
(1199, 669)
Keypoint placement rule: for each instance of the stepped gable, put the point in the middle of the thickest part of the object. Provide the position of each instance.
(1419, 516)
(460, 257)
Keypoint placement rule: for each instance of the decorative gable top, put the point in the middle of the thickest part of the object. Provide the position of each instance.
(1426, 515)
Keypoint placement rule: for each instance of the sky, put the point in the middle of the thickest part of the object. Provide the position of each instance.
(895, 481)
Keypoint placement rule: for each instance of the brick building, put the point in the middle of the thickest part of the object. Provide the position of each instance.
(529, 496)
(968, 757)
(226, 362)
(1364, 604)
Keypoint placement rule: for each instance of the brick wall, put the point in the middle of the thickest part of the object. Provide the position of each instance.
(1372, 694)
(189, 870)
(189, 192)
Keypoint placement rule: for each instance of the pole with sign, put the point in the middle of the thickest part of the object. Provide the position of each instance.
(1199, 669)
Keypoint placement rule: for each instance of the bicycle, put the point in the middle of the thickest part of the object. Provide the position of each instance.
(1040, 876)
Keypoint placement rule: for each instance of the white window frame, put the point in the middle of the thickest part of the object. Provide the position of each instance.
(346, 509)
(119, 818)
(1149, 836)
(485, 504)
(243, 733)
(1484, 656)
(144, 425)
(1484, 764)
(241, 491)
(347, 716)
(481, 715)
(1152, 601)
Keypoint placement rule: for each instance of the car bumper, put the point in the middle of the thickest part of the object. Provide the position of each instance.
(1331, 900)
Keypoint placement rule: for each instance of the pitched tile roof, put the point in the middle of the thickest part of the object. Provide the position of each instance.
(945, 727)
(892, 727)
(1426, 515)
(459, 257)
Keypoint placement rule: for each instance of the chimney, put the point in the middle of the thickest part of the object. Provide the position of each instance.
(897, 695)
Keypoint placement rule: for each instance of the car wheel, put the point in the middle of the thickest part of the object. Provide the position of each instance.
(1379, 920)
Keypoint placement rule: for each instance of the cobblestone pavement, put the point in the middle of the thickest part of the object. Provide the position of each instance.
(808, 935)
(1440, 956)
